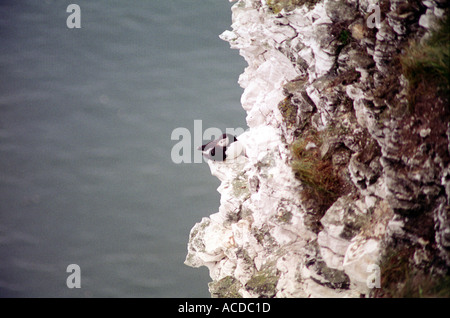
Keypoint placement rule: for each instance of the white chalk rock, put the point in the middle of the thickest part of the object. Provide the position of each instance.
(360, 261)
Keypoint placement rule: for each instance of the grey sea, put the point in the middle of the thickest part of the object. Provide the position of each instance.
(86, 117)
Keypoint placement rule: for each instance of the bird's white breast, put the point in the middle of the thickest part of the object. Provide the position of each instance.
(234, 150)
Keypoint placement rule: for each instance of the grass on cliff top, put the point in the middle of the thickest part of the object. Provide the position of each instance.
(428, 63)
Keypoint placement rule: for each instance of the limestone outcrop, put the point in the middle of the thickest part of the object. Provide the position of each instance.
(341, 181)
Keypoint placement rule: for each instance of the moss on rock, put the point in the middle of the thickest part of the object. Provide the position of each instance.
(264, 282)
(227, 287)
(276, 6)
(240, 187)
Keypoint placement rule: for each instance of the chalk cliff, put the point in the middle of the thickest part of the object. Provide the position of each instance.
(344, 188)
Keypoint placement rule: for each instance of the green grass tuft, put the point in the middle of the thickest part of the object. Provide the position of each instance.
(427, 64)
(344, 37)
(317, 173)
(399, 279)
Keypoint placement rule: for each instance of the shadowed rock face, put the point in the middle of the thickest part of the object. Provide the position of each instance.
(324, 90)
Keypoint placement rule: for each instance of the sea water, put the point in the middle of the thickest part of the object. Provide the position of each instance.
(86, 116)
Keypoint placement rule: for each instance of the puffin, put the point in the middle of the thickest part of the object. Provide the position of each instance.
(224, 147)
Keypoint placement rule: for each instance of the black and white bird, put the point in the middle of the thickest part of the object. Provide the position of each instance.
(227, 146)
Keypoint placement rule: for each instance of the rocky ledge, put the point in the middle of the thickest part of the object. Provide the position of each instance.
(344, 188)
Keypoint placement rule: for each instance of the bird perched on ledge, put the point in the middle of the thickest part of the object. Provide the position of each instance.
(227, 146)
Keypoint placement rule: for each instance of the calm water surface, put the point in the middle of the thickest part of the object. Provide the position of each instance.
(86, 117)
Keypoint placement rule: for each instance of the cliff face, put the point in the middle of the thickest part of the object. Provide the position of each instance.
(345, 186)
